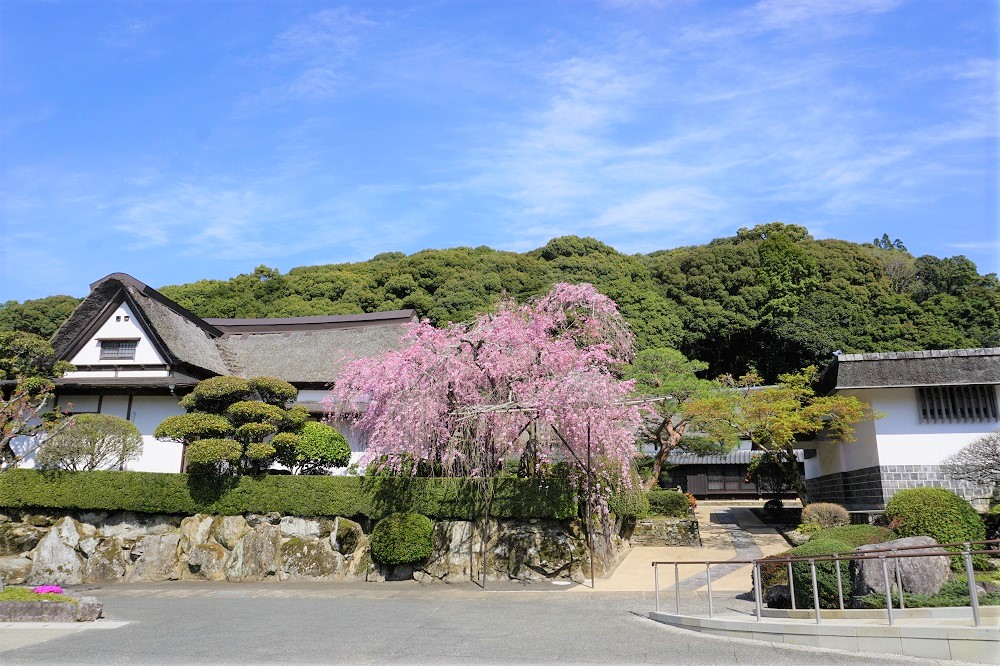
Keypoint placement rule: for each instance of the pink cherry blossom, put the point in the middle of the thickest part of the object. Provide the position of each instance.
(465, 397)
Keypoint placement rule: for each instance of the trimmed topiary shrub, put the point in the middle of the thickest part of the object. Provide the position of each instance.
(402, 538)
(214, 451)
(772, 573)
(215, 394)
(273, 391)
(937, 513)
(668, 503)
(855, 535)
(826, 573)
(252, 411)
(825, 514)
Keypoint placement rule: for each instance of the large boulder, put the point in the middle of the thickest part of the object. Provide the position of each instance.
(920, 575)
(310, 558)
(195, 530)
(228, 530)
(294, 526)
(55, 559)
(207, 561)
(105, 563)
(451, 558)
(345, 535)
(14, 569)
(156, 558)
(128, 525)
(17, 538)
(256, 555)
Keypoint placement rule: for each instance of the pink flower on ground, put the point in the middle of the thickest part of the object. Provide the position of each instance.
(47, 589)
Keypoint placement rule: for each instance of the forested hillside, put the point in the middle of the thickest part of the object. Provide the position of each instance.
(770, 297)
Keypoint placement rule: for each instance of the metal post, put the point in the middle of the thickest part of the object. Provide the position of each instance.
(791, 585)
(840, 584)
(973, 593)
(812, 573)
(677, 587)
(899, 580)
(888, 589)
(656, 584)
(708, 573)
(756, 589)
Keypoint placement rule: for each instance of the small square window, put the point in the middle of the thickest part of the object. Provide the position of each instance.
(118, 317)
(118, 349)
(126, 317)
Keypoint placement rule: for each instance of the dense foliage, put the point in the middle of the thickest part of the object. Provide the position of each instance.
(771, 297)
(934, 512)
(91, 441)
(236, 425)
(367, 497)
(403, 538)
(855, 535)
(826, 573)
(668, 503)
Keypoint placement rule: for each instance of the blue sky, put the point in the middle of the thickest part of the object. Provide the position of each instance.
(185, 140)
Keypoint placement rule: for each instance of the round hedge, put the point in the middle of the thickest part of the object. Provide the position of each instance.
(213, 451)
(826, 573)
(273, 391)
(934, 512)
(403, 538)
(252, 411)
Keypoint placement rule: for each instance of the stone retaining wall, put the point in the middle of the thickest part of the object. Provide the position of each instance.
(71, 548)
(666, 532)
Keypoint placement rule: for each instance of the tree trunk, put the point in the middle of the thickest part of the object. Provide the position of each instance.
(674, 435)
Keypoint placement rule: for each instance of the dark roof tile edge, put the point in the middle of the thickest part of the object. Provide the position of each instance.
(929, 353)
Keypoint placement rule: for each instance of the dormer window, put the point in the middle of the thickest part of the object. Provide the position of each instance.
(118, 350)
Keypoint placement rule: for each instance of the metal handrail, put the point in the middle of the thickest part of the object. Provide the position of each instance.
(882, 554)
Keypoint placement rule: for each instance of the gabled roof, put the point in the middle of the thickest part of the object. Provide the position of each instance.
(939, 367)
(302, 350)
(180, 336)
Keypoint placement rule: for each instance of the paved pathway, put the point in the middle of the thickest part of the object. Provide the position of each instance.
(221, 623)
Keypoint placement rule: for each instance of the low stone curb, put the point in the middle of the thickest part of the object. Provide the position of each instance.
(87, 610)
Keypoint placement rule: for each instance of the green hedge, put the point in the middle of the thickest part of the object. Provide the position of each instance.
(668, 503)
(371, 497)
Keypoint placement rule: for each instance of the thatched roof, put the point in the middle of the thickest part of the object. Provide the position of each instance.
(302, 350)
(940, 367)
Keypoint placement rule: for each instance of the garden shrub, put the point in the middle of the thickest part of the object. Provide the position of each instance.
(373, 498)
(214, 451)
(953, 593)
(668, 503)
(273, 391)
(855, 535)
(629, 502)
(825, 514)
(252, 411)
(826, 573)
(215, 394)
(402, 538)
(773, 573)
(91, 441)
(937, 513)
(189, 427)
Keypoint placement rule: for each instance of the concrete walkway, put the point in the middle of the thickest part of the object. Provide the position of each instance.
(727, 533)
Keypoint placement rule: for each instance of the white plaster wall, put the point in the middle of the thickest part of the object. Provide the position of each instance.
(904, 440)
(145, 353)
(147, 413)
(898, 438)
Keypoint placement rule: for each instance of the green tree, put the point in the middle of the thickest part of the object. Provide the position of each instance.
(775, 417)
(91, 441)
(315, 448)
(685, 404)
